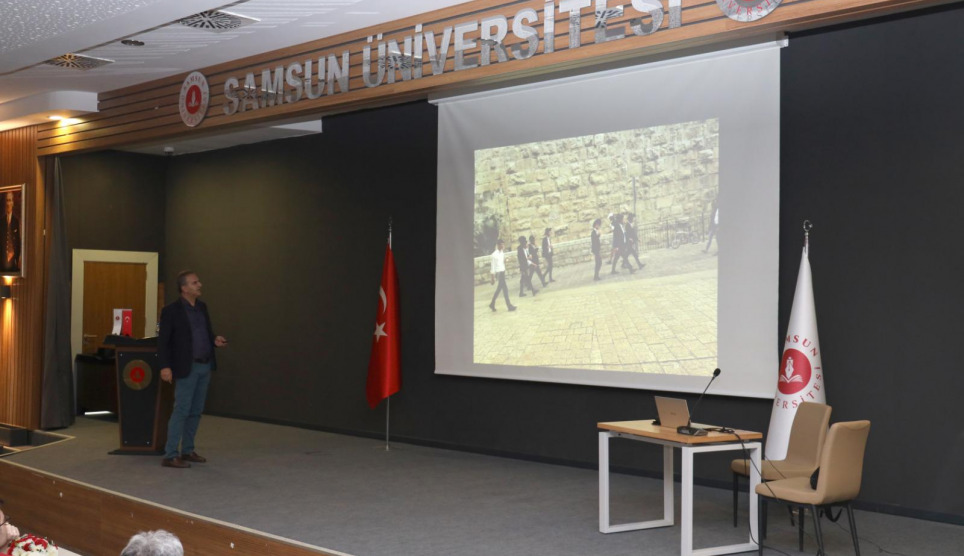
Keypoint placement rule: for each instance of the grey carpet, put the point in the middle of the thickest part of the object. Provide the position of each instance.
(348, 494)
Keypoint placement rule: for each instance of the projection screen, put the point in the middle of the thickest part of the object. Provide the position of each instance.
(664, 177)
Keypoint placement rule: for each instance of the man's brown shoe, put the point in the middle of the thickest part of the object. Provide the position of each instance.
(174, 462)
(194, 457)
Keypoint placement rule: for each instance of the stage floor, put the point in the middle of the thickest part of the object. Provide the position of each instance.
(348, 494)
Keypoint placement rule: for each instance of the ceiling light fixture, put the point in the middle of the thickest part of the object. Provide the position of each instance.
(132, 42)
(64, 119)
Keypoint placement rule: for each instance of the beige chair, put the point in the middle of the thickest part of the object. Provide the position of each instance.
(838, 483)
(807, 436)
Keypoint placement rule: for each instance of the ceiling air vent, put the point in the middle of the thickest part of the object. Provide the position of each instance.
(78, 61)
(217, 21)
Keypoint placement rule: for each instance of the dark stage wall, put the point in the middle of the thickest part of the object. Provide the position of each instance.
(115, 201)
(288, 240)
(871, 152)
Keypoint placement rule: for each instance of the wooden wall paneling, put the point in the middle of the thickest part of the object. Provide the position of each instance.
(91, 520)
(21, 316)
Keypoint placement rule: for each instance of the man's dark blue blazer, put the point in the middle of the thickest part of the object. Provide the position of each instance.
(175, 346)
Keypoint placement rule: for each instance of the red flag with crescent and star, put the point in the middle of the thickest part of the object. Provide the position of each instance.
(127, 326)
(384, 367)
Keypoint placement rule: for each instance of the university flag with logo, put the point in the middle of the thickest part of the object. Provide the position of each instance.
(801, 372)
(384, 367)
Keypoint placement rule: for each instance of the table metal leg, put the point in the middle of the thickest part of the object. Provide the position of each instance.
(669, 488)
(754, 499)
(605, 526)
(686, 503)
(603, 482)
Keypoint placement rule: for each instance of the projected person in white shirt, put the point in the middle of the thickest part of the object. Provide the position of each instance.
(498, 273)
(714, 227)
(547, 253)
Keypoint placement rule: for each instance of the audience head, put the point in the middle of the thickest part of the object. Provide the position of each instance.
(153, 543)
(596, 223)
(7, 531)
(548, 230)
(500, 243)
(522, 240)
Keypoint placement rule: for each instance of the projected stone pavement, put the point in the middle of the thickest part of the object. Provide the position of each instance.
(662, 319)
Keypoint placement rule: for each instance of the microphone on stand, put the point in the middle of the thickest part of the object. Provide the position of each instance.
(688, 429)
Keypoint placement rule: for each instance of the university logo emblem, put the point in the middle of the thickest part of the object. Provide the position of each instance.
(795, 372)
(193, 103)
(747, 10)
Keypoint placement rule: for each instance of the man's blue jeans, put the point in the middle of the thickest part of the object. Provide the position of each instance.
(189, 395)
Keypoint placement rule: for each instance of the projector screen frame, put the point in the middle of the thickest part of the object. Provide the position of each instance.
(766, 346)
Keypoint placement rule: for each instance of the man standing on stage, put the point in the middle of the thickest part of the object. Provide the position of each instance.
(185, 348)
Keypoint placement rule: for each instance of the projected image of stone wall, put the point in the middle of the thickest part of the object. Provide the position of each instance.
(566, 184)
(652, 308)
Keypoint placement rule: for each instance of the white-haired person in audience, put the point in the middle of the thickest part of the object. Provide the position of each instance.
(153, 543)
(7, 531)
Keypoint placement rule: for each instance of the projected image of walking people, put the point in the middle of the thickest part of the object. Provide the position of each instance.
(637, 201)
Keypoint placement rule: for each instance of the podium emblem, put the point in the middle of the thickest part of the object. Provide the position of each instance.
(138, 374)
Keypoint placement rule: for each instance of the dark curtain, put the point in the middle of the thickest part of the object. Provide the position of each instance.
(57, 396)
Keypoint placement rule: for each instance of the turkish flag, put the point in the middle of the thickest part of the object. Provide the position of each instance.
(127, 326)
(384, 367)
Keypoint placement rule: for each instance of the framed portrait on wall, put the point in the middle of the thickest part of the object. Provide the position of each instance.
(11, 230)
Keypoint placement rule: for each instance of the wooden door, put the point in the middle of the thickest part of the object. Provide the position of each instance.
(109, 286)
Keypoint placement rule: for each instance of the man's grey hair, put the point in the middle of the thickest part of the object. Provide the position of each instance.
(182, 279)
(153, 543)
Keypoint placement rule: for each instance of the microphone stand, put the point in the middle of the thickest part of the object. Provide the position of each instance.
(688, 429)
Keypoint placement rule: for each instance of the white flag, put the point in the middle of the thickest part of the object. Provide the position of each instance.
(801, 372)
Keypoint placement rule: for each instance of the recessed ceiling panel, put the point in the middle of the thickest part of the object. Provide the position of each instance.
(23, 23)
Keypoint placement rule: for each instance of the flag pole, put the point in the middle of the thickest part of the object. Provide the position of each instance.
(388, 400)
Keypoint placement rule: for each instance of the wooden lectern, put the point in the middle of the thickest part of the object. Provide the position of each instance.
(144, 402)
